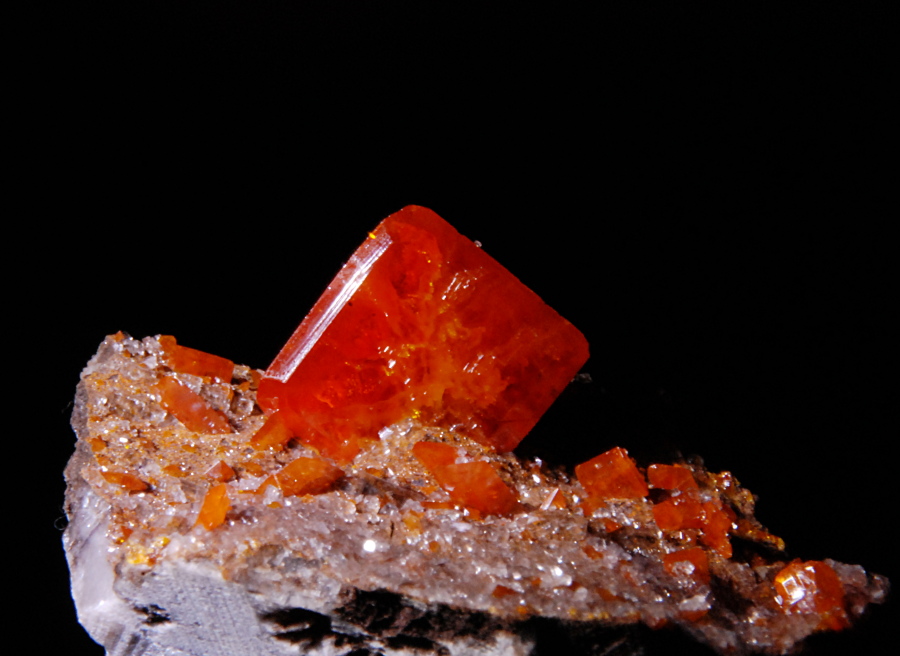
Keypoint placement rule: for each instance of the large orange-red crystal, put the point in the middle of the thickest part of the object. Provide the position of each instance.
(421, 322)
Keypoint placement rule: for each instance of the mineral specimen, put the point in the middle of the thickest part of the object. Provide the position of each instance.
(376, 507)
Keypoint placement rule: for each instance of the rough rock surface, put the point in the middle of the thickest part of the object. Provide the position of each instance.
(383, 561)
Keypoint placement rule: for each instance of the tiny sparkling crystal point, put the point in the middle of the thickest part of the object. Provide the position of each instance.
(421, 322)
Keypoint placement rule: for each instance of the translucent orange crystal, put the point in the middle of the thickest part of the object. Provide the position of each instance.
(273, 434)
(671, 477)
(718, 520)
(123, 479)
(190, 408)
(221, 472)
(215, 507)
(191, 361)
(812, 587)
(435, 455)
(421, 322)
(472, 484)
(611, 475)
(678, 513)
(304, 476)
(685, 510)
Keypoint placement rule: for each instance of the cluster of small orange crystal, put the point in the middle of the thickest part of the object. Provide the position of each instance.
(191, 409)
(613, 475)
(301, 476)
(810, 587)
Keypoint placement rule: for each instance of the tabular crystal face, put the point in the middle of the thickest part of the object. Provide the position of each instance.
(421, 322)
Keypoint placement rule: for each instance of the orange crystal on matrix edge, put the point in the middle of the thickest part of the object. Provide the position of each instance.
(421, 323)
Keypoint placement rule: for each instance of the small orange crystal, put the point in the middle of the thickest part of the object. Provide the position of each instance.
(717, 524)
(221, 472)
(123, 479)
(305, 476)
(671, 477)
(421, 322)
(679, 513)
(435, 455)
(812, 587)
(501, 591)
(273, 434)
(190, 408)
(191, 361)
(215, 507)
(611, 475)
(472, 484)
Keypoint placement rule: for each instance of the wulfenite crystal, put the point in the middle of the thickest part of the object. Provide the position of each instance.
(421, 323)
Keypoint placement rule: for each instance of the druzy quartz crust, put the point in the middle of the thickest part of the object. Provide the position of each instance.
(370, 467)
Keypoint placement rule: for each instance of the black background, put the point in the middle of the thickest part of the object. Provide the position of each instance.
(705, 193)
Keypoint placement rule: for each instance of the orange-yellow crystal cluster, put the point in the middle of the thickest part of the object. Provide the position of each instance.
(614, 475)
(685, 509)
(422, 323)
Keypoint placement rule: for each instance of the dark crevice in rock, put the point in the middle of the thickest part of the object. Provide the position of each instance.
(388, 615)
(304, 626)
(745, 551)
(553, 637)
(155, 614)
(134, 642)
(728, 599)
(415, 644)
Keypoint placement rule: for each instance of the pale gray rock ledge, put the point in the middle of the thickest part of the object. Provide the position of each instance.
(368, 568)
(188, 609)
